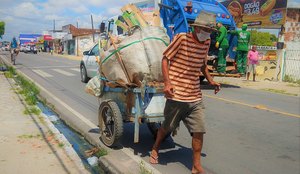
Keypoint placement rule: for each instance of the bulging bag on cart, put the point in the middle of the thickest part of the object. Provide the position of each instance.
(141, 55)
(94, 86)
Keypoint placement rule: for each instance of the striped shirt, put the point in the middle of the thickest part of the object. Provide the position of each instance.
(186, 56)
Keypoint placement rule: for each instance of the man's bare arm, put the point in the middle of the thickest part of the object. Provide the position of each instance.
(165, 70)
(206, 74)
(168, 89)
(210, 80)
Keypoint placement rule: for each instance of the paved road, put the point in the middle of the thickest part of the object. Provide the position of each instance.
(240, 138)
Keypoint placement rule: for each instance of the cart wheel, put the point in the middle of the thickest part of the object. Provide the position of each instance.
(153, 128)
(110, 123)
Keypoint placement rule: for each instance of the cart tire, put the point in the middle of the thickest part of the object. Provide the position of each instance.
(153, 128)
(110, 123)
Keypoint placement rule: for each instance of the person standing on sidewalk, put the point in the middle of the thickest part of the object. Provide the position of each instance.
(182, 63)
(242, 48)
(253, 58)
(222, 44)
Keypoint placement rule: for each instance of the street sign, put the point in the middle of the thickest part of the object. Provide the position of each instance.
(257, 13)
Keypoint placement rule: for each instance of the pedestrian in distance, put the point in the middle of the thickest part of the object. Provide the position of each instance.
(222, 44)
(14, 50)
(253, 58)
(182, 63)
(242, 48)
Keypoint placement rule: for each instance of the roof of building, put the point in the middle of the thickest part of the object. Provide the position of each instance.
(81, 31)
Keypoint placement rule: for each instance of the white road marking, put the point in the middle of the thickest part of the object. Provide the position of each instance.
(63, 72)
(42, 73)
(75, 69)
(48, 67)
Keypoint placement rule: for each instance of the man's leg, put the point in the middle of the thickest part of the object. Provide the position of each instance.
(161, 133)
(244, 64)
(221, 60)
(248, 71)
(197, 143)
(239, 62)
(195, 123)
(254, 72)
(11, 55)
(172, 112)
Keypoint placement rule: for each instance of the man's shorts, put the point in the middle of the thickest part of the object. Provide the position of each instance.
(191, 113)
(251, 68)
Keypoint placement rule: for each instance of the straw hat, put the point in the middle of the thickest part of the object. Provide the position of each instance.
(206, 20)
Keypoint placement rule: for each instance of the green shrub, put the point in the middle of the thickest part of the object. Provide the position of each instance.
(290, 79)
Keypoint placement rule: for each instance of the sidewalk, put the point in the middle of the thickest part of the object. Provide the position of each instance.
(27, 146)
(268, 86)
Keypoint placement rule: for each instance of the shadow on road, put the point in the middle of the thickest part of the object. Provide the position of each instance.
(95, 131)
(206, 86)
(170, 151)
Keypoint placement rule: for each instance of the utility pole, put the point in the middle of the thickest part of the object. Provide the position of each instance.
(77, 46)
(52, 38)
(53, 25)
(93, 28)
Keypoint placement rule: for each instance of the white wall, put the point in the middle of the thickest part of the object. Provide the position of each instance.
(85, 43)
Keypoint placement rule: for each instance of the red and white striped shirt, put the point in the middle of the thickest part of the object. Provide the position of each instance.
(186, 56)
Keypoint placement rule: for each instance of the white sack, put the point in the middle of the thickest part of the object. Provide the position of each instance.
(143, 58)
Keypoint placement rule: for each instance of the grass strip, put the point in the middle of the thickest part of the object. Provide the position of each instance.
(28, 89)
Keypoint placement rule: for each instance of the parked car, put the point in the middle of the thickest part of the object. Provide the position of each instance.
(6, 47)
(89, 64)
(30, 49)
(22, 48)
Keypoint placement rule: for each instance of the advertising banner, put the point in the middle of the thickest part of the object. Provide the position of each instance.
(28, 38)
(146, 5)
(257, 13)
(292, 26)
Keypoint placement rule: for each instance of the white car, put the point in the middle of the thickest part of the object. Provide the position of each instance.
(22, 48)
(30, 49)
(6, 47)
(89, 64)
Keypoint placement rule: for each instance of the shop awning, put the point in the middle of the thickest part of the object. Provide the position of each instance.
(47, 37)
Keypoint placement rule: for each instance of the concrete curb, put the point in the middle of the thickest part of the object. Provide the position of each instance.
(109, 164)
(67, 146)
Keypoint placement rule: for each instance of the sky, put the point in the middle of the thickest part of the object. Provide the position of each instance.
(36, 16)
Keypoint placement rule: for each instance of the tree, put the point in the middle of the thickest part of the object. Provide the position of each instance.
(273, 38)
(262, 38)
(2, 28)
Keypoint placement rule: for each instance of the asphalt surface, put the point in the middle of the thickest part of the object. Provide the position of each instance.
(240, 138)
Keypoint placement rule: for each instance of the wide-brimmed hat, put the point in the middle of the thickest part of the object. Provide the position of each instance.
(206, 20)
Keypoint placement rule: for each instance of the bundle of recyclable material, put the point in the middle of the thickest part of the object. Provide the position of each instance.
(136, 58)
(94, 86)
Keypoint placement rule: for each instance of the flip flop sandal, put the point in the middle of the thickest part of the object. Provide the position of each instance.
(153, 158)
